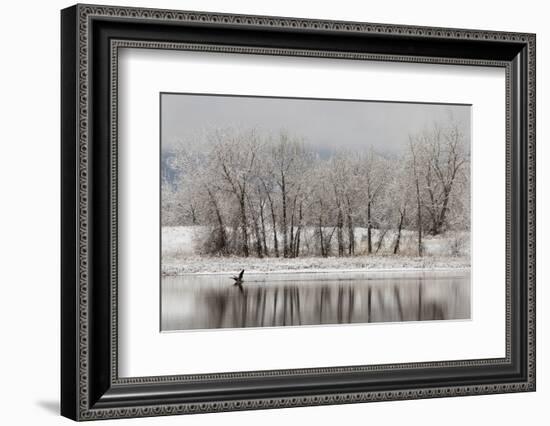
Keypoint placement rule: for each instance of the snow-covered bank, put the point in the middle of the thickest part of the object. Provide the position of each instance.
(197, 264)
(179, 256)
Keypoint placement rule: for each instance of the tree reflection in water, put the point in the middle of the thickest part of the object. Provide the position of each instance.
(214, 303)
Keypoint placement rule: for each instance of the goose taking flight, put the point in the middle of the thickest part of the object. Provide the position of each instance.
(239, 279)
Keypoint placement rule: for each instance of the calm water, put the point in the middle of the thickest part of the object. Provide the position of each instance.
(272, 300)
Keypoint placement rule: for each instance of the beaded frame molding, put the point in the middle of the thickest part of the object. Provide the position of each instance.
(91, 38)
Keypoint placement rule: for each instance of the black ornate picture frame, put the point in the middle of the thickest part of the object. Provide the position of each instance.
(90, 385)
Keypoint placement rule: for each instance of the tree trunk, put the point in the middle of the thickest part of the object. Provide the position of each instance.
(369, 228)
(291, 244)
(351, 232)
(381, 240)
(193, 214)
(328, 241)
(262, 220)
(418, 199)
(298, 233)
(432, 209)
(419, 219)
(321, 242)
(257, 232)
(259, 248)
(340, 232)
(321, 239)
(244, 227)
(399, 228)
(444, 208)
(221, 227)
(285, 231)
(274, 223)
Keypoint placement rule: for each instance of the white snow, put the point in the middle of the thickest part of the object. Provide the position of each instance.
(178, 241)
(179, 256)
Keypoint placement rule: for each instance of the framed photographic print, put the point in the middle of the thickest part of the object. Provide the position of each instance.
(263, 212)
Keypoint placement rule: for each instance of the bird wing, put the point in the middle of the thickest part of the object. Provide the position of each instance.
(241, 274)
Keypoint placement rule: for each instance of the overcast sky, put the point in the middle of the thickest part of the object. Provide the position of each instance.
(325, 125)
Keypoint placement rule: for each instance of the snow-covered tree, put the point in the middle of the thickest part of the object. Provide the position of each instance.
(250, 193)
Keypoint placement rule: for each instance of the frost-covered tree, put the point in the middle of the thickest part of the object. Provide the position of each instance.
(375, 177)
(234, 161)
(288, 158)
(445, 158)
(399, 199)
(249, 193)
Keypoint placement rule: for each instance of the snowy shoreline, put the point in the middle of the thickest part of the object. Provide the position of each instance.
(179, 257)
(373, 264)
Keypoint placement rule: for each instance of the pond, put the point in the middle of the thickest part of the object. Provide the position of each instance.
(208, 301)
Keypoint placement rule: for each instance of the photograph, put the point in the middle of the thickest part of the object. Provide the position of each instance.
(297, 211)
(348, 206)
